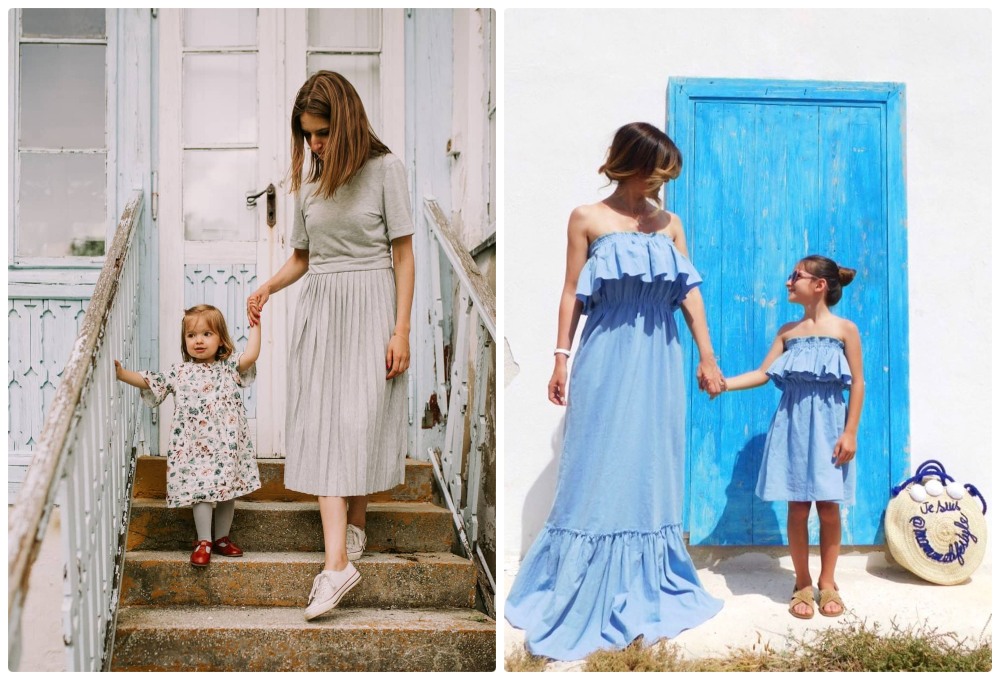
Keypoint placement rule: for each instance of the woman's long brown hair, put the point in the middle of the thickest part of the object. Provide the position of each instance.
(352, 141)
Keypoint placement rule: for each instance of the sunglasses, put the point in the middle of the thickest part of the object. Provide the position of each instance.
(796, 275)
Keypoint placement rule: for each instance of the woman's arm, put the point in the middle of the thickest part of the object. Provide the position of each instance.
(569, 307)
(252, 350)
(290, 272)
(131, 377)
(397, 356)
(709, 375)
(693, 307)
(847, 444)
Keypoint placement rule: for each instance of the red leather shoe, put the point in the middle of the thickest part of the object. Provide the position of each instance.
(202, 554)
(224, 546)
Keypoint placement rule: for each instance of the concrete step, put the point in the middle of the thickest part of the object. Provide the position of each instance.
(293, 527)
(279, 639)
(283, 579)
(151, 482)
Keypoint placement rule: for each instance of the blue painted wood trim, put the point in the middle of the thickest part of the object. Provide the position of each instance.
(898, 313)
(725, 88)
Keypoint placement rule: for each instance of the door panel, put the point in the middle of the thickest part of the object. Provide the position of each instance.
(227, 81)
(773, 173)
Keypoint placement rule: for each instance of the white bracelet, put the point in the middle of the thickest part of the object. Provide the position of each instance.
(560, 350)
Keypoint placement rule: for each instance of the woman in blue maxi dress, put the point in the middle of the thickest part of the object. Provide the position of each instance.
(610, 563)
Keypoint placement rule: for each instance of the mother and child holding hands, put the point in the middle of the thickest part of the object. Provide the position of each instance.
(610, 564)
(346, 428)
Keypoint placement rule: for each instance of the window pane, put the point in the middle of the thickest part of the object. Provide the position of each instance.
(215, 188)
(63, 208)
(220, 27)
(220, 99)
(345, 27)
(63, 23)
(362, 70)
(62, 96)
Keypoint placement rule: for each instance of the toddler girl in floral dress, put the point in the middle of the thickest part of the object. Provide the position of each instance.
(210, 460)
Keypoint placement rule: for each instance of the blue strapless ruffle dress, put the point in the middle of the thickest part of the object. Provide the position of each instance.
(610, 563)
(797, 465)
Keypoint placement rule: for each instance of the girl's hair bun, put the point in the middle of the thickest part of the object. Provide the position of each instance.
(846, 275)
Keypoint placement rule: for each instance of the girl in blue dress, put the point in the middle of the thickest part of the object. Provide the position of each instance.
(610, 563)
(813, 435)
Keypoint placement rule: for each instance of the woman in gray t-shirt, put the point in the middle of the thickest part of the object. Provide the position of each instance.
(349, 345)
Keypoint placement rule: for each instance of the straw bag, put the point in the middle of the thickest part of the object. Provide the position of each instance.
(936, 527)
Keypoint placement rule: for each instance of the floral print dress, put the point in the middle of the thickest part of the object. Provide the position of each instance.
(211, 456)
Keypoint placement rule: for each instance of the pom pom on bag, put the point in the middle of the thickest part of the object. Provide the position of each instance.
(936, 527)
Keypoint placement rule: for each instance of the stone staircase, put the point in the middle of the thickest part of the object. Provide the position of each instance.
(414, 608)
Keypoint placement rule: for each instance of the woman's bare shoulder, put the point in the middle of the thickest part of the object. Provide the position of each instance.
(584, 219)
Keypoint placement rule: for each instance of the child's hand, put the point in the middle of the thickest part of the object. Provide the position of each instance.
(722, 389)
(255, 304)
(118, 369)
(710, 378)
(845, 449)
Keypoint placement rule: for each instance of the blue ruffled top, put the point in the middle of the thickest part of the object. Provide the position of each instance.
(650, 258)
(811, 359)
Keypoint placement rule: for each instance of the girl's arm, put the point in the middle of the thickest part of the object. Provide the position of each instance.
(758, 377)
(847, 444)
(397, 355)
(131, 377)
(569, 307)
(290, 272)
(693, 308)
(252, 350)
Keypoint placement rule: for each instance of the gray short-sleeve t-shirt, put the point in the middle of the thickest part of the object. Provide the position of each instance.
(352, 230)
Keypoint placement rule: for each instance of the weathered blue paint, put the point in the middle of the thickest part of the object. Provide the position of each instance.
(773, 171)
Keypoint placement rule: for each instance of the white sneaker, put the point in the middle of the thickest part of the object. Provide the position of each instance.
(356, 540)
(328, 588)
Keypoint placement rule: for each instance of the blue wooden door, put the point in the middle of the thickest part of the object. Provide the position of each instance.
(774, 171)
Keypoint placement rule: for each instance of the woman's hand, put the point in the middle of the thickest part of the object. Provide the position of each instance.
(255, 303)
(557, 383)
(397, 356)
(846, 447)
(710, 377)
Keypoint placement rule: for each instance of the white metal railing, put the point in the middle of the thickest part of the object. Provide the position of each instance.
(85, 463)
(476, 313)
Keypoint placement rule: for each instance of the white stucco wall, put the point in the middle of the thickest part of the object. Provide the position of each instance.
(573, 77)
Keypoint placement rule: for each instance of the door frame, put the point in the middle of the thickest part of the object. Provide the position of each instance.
(683, 96)
(282, 45)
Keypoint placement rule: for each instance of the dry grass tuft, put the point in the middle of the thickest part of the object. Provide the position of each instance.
(523, 661)
(853, 646)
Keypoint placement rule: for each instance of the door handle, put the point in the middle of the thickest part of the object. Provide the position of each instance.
(271, 212)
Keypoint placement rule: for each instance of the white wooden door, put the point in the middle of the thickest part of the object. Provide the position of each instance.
(227, 81)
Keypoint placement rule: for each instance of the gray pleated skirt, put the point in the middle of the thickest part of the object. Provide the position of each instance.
(345, 423)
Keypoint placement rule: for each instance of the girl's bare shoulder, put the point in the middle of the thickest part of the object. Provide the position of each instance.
(789, 329)
(846, 329)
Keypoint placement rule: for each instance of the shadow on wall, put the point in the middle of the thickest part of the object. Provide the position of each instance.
(736, 526)
(538, 500)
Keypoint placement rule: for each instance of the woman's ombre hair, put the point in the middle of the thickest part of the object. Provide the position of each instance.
(642, 150)
(216, 322)
(351, 143)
